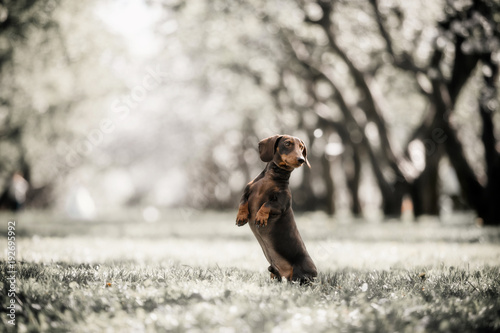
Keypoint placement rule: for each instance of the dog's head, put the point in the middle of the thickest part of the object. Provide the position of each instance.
(287, 152)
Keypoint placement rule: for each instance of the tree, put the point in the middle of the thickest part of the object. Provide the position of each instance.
(409, 70)
(51, 73)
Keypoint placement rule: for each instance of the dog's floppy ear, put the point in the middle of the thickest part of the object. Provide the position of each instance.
(267, 147)
(304, 152)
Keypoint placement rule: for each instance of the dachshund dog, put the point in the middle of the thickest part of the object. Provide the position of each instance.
(267, 201)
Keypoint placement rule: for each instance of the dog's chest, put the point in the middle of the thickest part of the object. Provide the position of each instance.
(265, 190)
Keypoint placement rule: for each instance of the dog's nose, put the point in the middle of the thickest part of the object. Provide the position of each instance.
(301, 160)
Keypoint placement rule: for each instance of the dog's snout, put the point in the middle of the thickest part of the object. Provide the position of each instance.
(301, 160)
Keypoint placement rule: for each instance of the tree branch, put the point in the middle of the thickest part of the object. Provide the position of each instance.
(372, 109)
(402, 61)
(346, 110)
(383, 31)
(471, 188)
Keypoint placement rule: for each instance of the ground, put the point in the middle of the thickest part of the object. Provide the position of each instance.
(196, 271)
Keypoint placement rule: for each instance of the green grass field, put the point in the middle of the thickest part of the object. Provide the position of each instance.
(197, 272)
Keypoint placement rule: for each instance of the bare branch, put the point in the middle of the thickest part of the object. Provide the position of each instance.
(383, 31)
(346, 110)
(373, 99)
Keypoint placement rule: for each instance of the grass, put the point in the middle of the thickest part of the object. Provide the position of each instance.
(197, 272)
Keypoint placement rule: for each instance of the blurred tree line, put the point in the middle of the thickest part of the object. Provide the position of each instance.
(395, 100)
(54, 76)
(392, 88)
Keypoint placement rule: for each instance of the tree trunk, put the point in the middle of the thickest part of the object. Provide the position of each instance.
(304, 198)
(487, 105)
(491, 215)
(424, 190)
(353, 175)
(330, 187)
(392, 203)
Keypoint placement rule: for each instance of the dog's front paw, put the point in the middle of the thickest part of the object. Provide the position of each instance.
(241, 219)
(242, 216)
(261, 219)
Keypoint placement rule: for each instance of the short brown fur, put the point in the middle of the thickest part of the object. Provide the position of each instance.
(266, 202)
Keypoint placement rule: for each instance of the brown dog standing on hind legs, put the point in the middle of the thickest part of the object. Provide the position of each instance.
(267, 201)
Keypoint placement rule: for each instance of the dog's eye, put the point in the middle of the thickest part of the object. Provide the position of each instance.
(287, 144)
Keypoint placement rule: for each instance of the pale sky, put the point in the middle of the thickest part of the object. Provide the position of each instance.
(135, 21)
